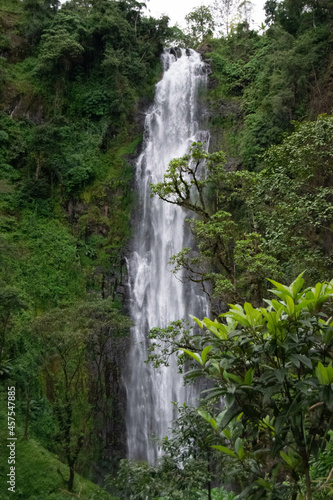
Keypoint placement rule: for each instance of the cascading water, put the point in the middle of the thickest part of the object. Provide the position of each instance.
(156, 296)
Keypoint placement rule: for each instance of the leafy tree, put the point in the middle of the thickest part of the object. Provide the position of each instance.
(37, 17)
(276, 75)
(60, 44)
(107, 340)
(11, 302)
(64, 345)
(71, 340)
(247, 221)
(200, 23)
(273, 366)
(227, 257)
(296, 198)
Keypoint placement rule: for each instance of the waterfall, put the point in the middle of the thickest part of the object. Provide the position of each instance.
(156, 296)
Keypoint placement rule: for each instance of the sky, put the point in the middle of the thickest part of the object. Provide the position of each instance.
(177, 9)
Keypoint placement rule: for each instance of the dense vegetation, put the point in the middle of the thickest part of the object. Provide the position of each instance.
(73, 84)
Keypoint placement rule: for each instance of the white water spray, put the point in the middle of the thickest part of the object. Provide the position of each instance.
(156, 296)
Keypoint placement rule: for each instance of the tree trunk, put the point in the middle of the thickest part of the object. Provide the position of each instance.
(307, 476)
(308, 485)
(209, 491)
(39, 164)
(71, 478)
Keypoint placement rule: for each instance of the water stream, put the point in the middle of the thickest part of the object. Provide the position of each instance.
(156, 296)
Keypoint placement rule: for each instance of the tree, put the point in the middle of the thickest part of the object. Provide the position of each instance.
(74, 343)
(292, 199)
(245, 10)
(224, 11)
(37, 16)
(200, 23)
(11, 303)
(234, 262)
(64, 344)
(61, 45)
(273, 367)
(247, 221)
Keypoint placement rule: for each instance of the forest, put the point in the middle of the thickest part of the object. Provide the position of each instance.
(76, 80)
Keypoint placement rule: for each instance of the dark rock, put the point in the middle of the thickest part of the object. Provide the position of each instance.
(26, 106)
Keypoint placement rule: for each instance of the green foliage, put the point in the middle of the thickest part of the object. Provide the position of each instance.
(273, 366)
(274, 76)
(321, 472)
(60, 44)
(167, 341)
(39, 473)
(65, 345)
(200, 24)
(71, 80)
(37, 16)
(184, 471)
(234, 261)
(296, 198)
(51, 268)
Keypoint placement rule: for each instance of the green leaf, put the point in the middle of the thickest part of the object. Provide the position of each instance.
(204, 414)
(229, 414)
(218, 329)
(280, 374)
(296, 285)
(234, 377)
(281, 291)
(286, 458)
(238, 445)
(198, 322)
(324, 374)
(205, 353)
(290, 305)
(266, 484)
(303, 359)
(253, 316)
(227, 434)
(295, 360)
(226, 450)
(249, 376)
(230, 399)
(193, 355)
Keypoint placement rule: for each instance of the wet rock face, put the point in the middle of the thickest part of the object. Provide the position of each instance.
(27, 106)
(227, 108)
(21, 105)
(108, 395)
(139, 118)
(177, 52)
(224, 117)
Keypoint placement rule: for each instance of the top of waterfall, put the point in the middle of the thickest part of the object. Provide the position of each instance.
(172, 54)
